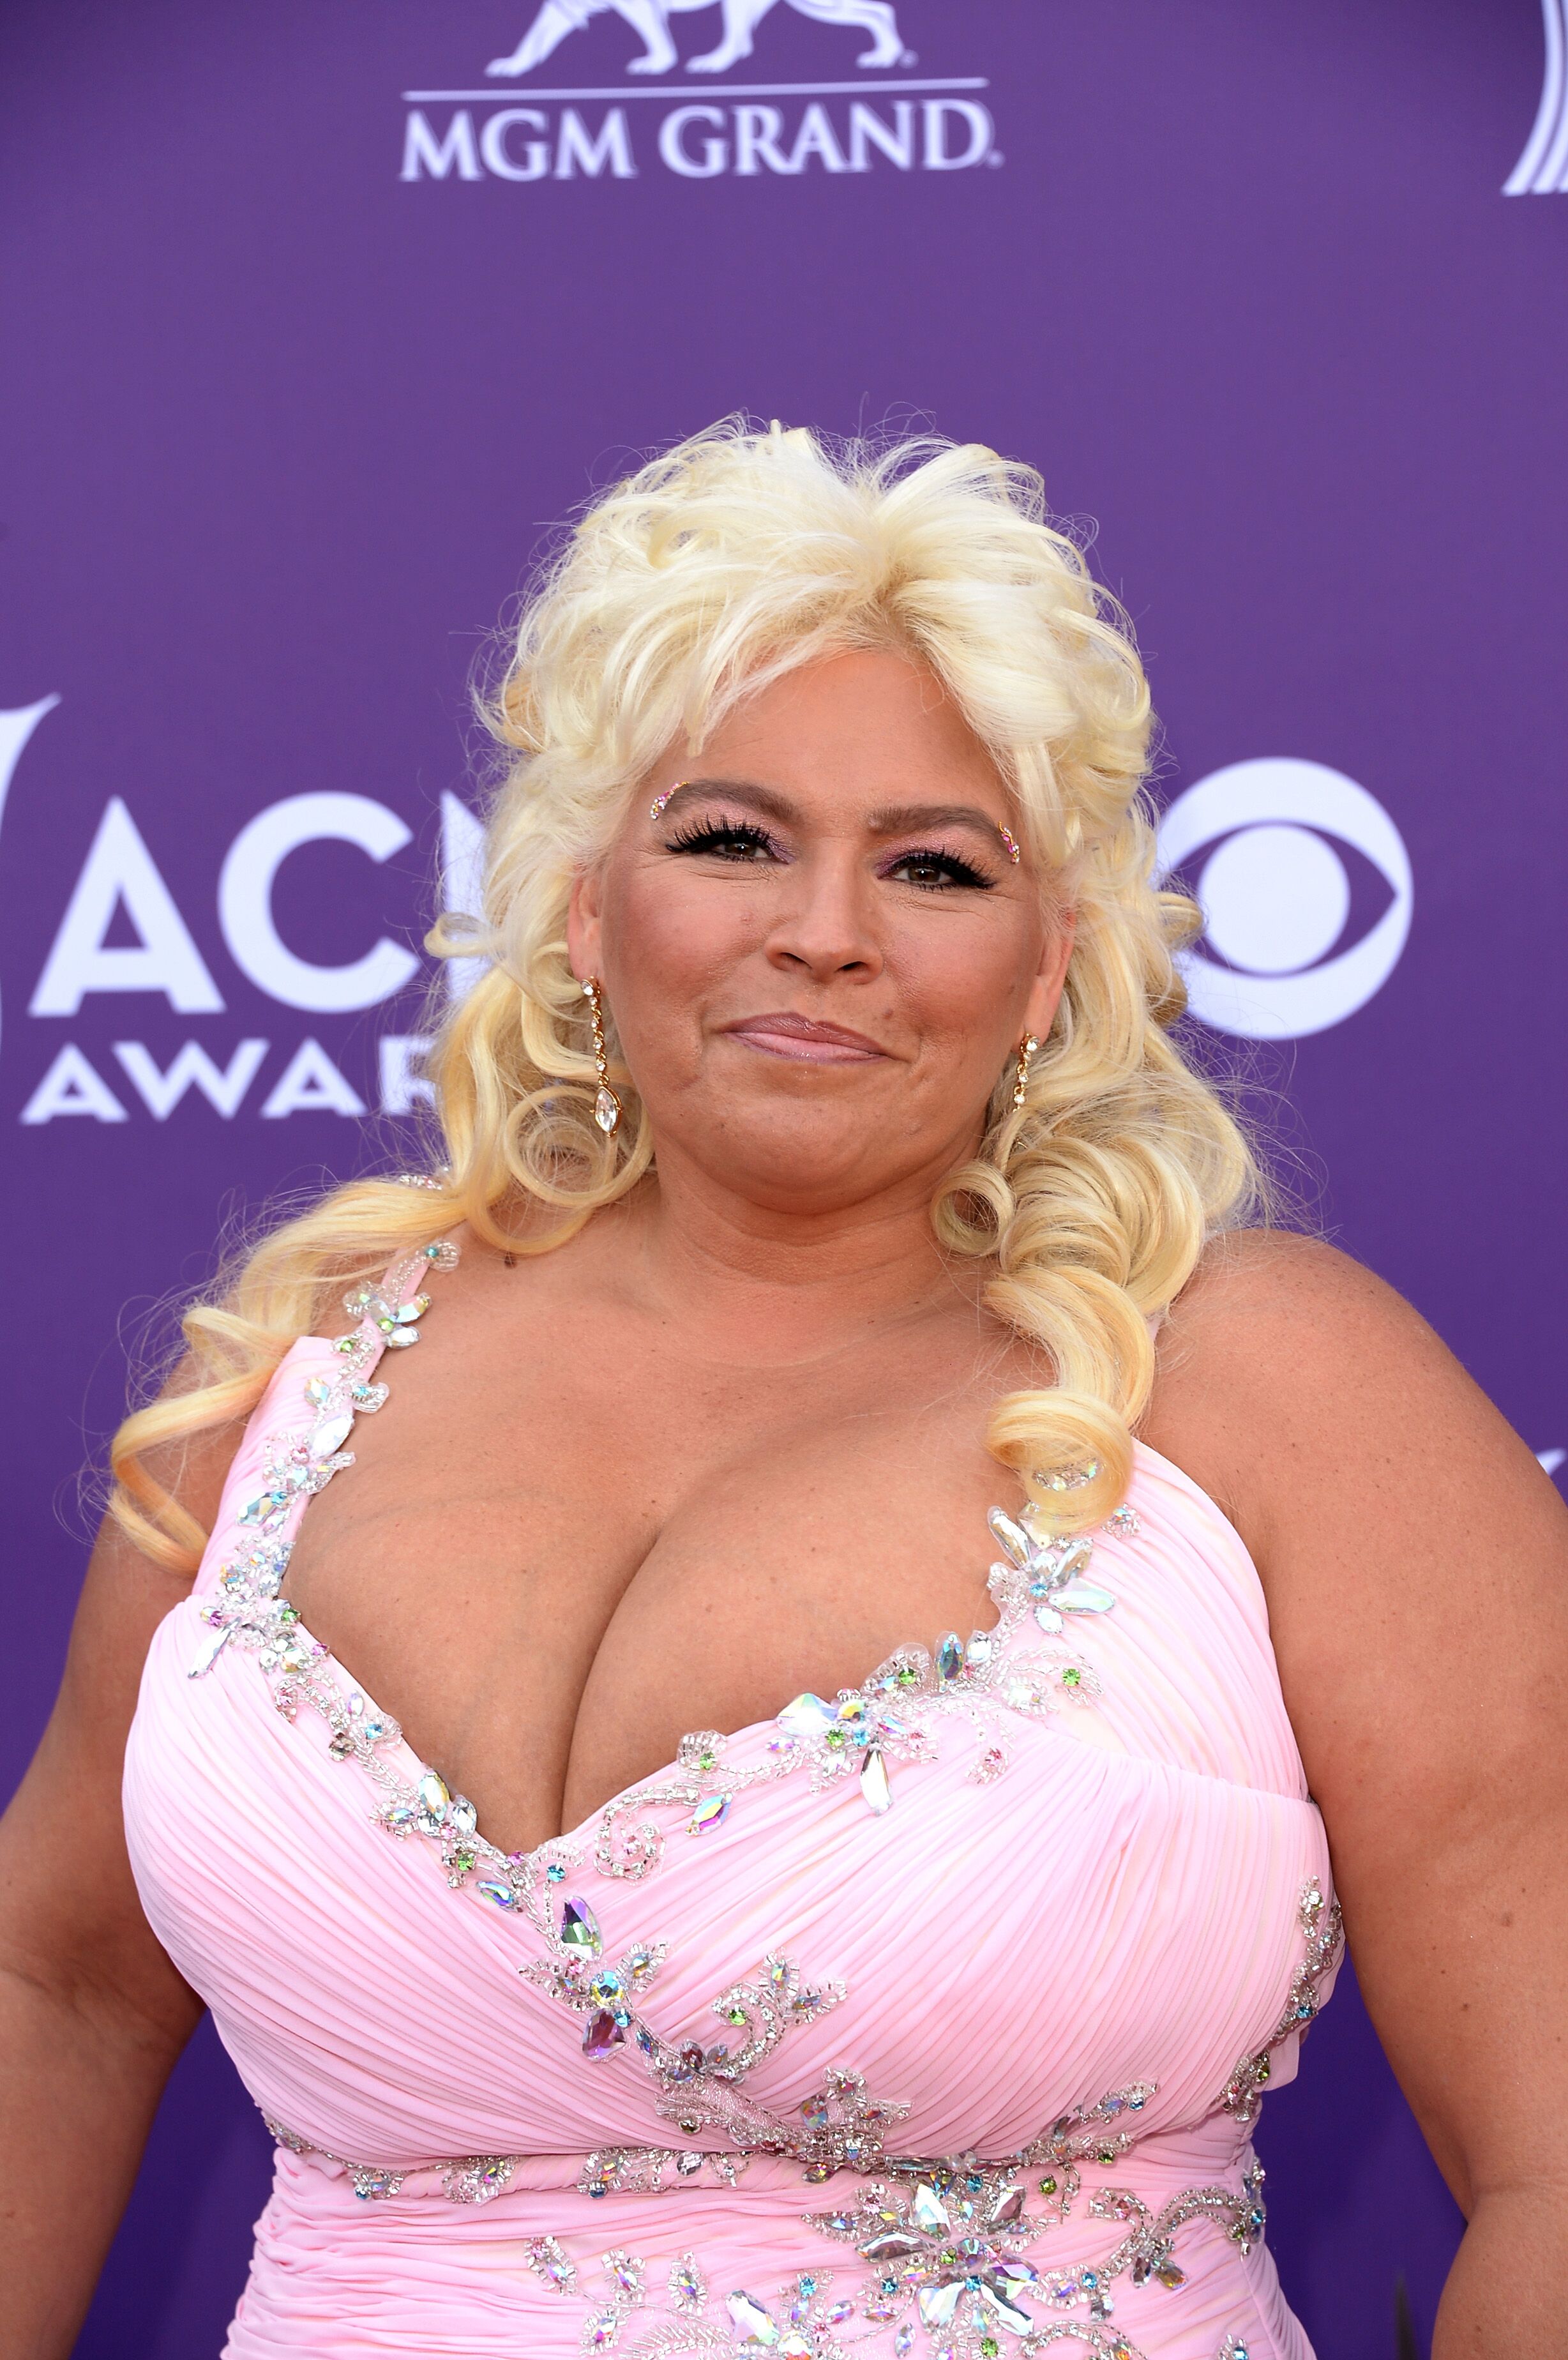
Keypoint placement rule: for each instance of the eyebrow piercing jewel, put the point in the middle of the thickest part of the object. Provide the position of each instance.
(656, 806)
(1010, 840)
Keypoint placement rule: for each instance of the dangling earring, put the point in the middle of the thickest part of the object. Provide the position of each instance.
(607, 1106)
(1020, 1086)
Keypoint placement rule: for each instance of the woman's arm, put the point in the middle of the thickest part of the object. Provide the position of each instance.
(1416, 1563)
(92, 2015)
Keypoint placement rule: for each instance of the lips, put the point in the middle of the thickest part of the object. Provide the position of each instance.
(785, 1035)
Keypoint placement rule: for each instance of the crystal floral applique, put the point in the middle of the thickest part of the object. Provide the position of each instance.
(625, 2277)
(248, 1605)
(1148, 2250)
(463, 2179)
(805, 2319)
(549, 2261)
(951, 2246)
(700, 2085)
(655, 2170)
(248, 1608)
(1324, 1927)
(894, 1715)
(945, 2239)
(1052, 1571)
(606, 1995)
(967, 2282)
(945, 2266)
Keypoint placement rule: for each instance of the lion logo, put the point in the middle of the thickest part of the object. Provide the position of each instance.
(650, 18)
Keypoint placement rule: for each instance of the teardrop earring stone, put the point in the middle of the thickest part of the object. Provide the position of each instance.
(607, 1111)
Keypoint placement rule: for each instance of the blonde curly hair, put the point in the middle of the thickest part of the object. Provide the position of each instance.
(727, 562)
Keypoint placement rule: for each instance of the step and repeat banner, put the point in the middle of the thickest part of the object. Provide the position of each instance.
(321, 317)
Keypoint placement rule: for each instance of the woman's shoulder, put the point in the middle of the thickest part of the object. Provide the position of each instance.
(1251, 1274)
(1283, 1360)
(1274, 1306)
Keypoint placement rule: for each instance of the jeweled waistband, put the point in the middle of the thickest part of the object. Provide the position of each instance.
(476, 2179)
(1047, 2254)
(1156, 2160)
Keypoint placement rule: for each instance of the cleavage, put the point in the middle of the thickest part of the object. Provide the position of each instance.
(545, 1658)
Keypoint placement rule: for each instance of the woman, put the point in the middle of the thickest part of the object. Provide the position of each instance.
(816, 1140)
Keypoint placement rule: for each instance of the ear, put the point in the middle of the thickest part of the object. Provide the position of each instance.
(1045, 991)
(585, 928)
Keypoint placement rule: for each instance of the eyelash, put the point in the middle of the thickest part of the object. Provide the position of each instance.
(723, 835)
(960, 872)
(717, 835)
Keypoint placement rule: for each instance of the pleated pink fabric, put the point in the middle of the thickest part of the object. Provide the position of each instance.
(930, 2020)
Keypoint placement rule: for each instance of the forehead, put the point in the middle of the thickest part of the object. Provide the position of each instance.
(856, 722)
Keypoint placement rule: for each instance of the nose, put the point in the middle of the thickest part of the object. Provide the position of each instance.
(825, 928)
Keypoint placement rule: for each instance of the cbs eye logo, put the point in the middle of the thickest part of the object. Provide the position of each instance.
(1298, 857)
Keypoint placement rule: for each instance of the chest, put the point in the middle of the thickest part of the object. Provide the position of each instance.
(553, 1564)
(1123, 1814)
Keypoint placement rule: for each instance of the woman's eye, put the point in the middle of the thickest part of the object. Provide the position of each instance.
(935, 868)
(740, 842)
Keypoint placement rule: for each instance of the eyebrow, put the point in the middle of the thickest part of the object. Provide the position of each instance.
(892, 819)
(737, 791)
(896, 819)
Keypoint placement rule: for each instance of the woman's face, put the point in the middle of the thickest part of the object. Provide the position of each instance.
(820, 957)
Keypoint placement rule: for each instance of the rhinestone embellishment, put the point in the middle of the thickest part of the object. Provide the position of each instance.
(940, 2250)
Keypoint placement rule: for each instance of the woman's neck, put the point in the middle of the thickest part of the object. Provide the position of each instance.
(751, 1281)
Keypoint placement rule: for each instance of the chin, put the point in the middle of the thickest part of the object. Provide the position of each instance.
(795, 1161)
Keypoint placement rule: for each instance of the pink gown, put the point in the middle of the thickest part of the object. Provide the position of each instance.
(929, 2019)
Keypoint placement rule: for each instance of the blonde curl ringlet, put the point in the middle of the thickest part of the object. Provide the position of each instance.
(725, 562)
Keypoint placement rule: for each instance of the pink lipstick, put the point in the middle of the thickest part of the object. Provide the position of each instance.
(785, 1035)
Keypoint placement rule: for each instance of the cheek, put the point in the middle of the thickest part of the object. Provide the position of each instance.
(970, 980)
(669, 944)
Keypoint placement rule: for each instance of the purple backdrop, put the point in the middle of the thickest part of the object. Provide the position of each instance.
(315, 326)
